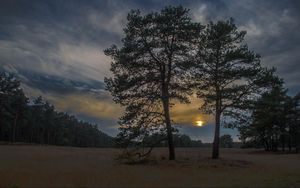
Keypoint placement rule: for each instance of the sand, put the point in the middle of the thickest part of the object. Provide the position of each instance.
(44, 166)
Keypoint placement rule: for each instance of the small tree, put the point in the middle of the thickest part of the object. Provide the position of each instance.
(292, 111)
(148, 72)
(227, 74)
(226, 141)
(13, 103)
(273, 121)
(295, 116)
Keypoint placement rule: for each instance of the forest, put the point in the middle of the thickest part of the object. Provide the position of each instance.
(36, 121)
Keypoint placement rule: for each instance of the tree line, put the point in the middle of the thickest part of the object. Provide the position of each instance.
(165, 57)
(36, 121)
(274, 122)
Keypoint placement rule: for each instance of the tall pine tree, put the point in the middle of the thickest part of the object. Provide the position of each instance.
(227, 74)
(148, 72)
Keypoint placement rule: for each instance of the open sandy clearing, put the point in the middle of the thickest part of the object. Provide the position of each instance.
(37, 166)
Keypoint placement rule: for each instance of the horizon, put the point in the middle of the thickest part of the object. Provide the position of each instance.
(56, 49)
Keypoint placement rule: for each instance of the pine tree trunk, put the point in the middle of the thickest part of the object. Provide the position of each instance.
(267, 145)
(1, 126)
(169, 129)
(166, 77)
(15, 128)
(54, 137)
(31, 136)
(296, 142)
(215, 152)
(290, 139)
(48, 137)
(283, 143)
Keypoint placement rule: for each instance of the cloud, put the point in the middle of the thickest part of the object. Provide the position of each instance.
(64, 57)
(85, 59)
(252, 29)
(113, 23)
(188, 114)
(92, 107)
(200, 13)
(88, 105)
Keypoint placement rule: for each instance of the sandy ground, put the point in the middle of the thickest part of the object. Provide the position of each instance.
(51, 166)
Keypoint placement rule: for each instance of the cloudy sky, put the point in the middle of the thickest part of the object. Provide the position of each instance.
(56, 48)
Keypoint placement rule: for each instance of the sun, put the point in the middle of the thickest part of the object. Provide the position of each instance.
(199, 123)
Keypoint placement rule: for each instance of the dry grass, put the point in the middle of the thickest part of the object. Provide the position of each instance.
(38, 166)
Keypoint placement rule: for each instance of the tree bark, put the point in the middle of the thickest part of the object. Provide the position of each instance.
(166, 77)
(48, 137)
(15, 128)
(216, 143)
(296, 141)
(290, 139)
(282, 143)
(169, 128)
(215, 152)
(267, 145)
(31, 135)
(1, 126)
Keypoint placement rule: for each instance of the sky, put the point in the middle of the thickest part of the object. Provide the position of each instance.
(56, 48)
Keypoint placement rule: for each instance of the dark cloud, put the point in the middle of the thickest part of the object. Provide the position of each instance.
(59, 85)
(56, 46)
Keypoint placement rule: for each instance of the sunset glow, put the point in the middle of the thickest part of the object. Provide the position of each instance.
(199, 123)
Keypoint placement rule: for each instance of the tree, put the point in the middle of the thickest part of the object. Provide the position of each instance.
(273, 121)
(12, 104)
(292, 112)
(226, 141)
(9, 86)
(38, 121)
(182, 141)
(18, 108)
(148, 72)
(269, 117)
(227, 74)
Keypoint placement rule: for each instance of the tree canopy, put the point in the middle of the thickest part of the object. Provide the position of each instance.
(227, 75)
(37, 121)
(149, 72)
(274, 121)
(226, 141)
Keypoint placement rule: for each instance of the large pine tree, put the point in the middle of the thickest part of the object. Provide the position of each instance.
(148, 72)
(227, 74)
